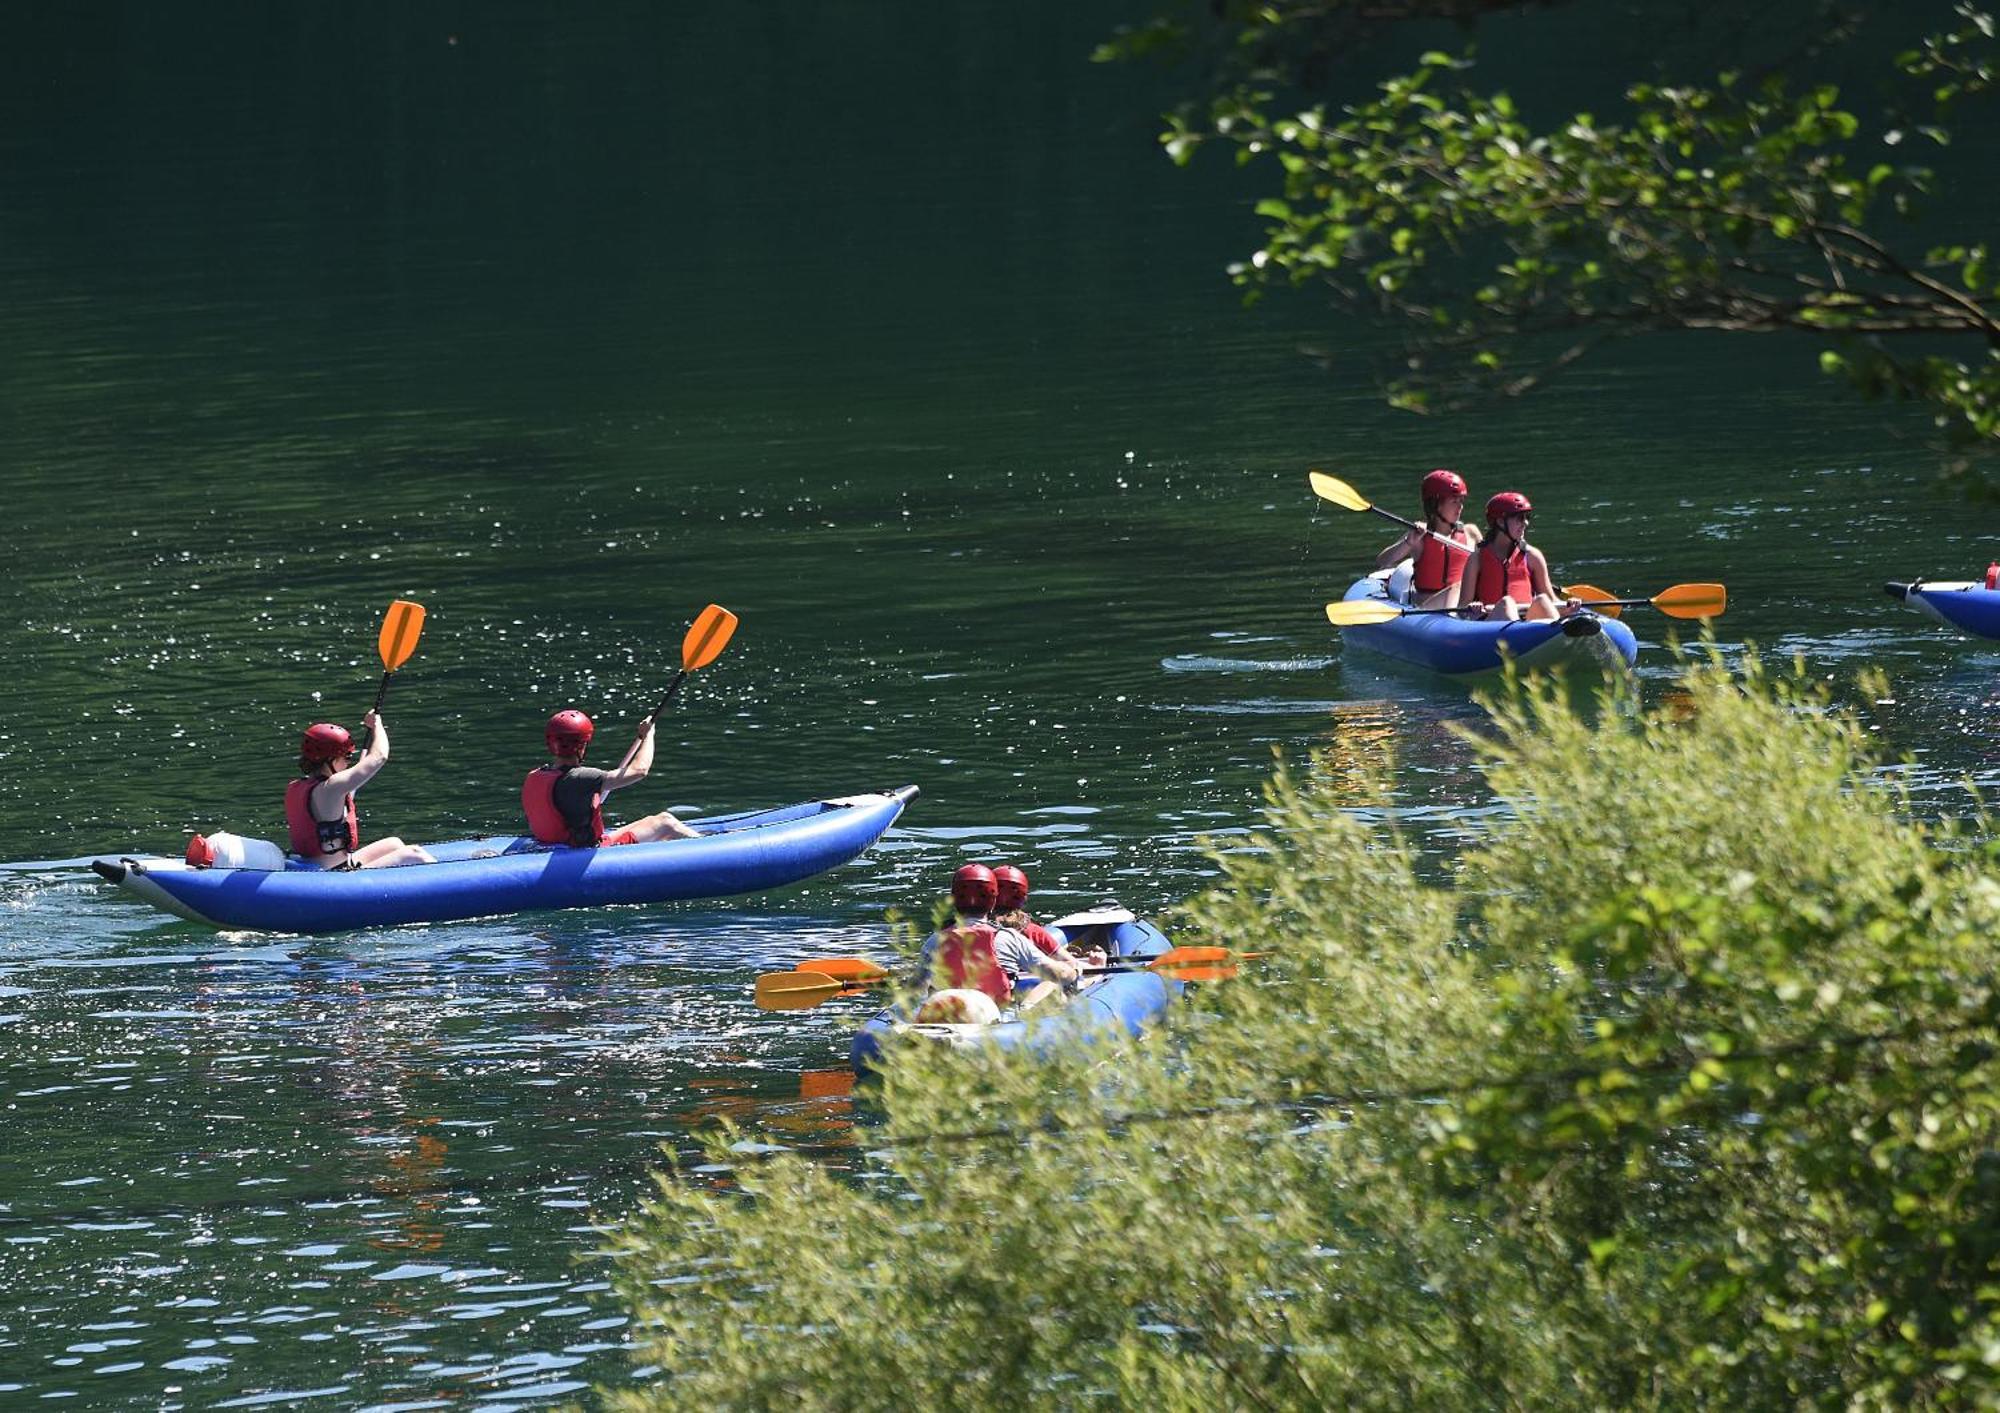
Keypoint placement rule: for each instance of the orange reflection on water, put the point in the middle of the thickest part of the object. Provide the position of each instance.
(826, 1084)
(1358, 750)
(412, 1174)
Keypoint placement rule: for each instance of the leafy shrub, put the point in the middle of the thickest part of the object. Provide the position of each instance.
(1681, 1092)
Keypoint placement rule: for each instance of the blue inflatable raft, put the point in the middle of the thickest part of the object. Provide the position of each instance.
(1462, 647)
(1971, 607)
(1124, 1003)
(737, 853)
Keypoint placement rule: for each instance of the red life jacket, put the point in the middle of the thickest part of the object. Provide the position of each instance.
(1438, 567)
(1506, 579)
(315, 838)
(965, 957)
(546, 822)
(1038, 935)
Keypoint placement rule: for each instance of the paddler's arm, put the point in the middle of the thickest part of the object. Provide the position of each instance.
(1401, 550)
(925, 976)
(1060, 970)
(346, 782)
(634, 770)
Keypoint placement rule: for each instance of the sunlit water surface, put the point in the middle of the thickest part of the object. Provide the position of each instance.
(565, 332)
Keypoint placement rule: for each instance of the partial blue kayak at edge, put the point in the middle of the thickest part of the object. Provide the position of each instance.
(1464, 647)
(738, 853)
(1971, 607)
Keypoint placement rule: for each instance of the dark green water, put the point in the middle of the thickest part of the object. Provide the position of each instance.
(887, 329)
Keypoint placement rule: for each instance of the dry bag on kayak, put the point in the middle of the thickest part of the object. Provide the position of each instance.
(224, 850)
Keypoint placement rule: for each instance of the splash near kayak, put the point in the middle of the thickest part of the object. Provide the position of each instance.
(730, 854)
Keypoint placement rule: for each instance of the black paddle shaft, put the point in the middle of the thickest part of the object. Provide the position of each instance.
(672, 687)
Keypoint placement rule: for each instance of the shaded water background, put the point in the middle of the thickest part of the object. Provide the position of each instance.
(886, 328)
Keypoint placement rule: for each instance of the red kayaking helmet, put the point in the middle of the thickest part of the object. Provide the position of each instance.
(1010, 887)
(323, 742)
(972, 889)
(568, 732)
(1441, 485)
(1505, 504)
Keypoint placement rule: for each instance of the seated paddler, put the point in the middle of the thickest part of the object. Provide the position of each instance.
(1437, 569)
(325, 827)
(975, 952)
(1508, 577)
(1011, 910)
(564, 800)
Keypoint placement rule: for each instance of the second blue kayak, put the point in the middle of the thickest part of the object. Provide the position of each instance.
(1463, 647)
(1123, 1004)
(1972, 607)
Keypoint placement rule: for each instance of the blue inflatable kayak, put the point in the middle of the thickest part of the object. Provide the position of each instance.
(1972, 607)
(737, 853)
(1122, 1004)
(1461, 647)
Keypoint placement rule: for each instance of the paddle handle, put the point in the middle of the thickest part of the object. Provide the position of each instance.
(1444, 540)
(381, 695)
(672, 687)
(1588, 605)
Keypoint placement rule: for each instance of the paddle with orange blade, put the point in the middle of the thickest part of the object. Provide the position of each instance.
(706, 638)
(823, 978)
(1681, 601)
(402, 625)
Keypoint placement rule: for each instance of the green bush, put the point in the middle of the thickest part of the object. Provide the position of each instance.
(1681, 1093)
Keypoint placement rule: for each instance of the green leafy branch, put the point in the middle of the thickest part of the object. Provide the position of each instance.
(1505, 253)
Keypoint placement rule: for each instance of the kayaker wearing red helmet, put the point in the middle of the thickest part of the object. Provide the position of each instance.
(978, 952)
(564, 800)
(1011, 892)
(319, 806)
(1509, 578)
(1438, 569)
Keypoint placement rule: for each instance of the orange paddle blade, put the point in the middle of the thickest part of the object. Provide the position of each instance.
(795, 1000)
(1187, 956)
(848, 969)
(1591, 594)
(1336, 490)
(1692, 601)
(401, 627)
(707, 638)
(789, 990)
(1197, 972)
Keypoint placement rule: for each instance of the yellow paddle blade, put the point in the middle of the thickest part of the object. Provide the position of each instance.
(847, 969)
(1354, 613)
(1591, 594)
(1692, 601)
(1336, 490)
(402, 625)
(707, 638)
